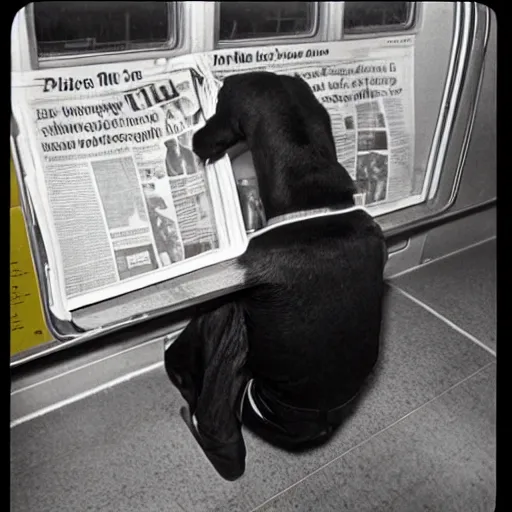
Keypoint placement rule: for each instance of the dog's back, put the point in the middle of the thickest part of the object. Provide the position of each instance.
(313, 316)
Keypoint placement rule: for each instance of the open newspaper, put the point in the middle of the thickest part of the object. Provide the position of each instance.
(367, 87)
(121, 200)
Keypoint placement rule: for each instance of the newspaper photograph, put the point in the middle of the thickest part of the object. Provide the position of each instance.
(368, 90)
(126, 194)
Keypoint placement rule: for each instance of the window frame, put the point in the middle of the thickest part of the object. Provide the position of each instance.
(73, 59)
(313, 37)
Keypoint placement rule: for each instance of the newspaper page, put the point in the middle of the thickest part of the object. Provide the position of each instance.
(367, 87)
(129, 202)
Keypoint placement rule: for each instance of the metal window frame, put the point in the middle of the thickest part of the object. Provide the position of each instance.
(459, 103)
(73, 59)
(451, 99)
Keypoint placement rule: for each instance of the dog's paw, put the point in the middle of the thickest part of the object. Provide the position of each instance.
(213, 140)
(206, 147)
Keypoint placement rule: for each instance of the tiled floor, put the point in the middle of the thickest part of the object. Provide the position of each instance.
(462, 288)
(422, 439)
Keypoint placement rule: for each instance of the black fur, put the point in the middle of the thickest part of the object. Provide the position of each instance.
(308, 328)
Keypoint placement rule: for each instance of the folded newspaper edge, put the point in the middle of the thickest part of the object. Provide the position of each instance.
(167, 103)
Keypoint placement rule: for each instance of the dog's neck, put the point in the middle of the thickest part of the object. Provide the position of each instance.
(308, 213)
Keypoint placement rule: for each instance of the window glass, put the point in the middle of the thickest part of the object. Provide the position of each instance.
(71, 28)
(251, 20)
(377, 16)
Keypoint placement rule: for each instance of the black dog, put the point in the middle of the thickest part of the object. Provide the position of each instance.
(286, 355)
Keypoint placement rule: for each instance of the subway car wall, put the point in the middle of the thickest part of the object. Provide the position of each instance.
(454, 152)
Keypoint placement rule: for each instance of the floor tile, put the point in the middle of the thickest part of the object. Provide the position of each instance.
(440, 458)
(461, 287)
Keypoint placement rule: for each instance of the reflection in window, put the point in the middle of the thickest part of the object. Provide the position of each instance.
(71, 28)
(250, 20)
(377, 16)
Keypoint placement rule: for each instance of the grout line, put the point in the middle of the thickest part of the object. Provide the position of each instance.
(259, 507)
(85, 365)
(180, 507)
(444, 319)
(435, 260)
(85, 394)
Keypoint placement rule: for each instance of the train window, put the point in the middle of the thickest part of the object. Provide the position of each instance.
(254, 20)
(79, 28)
(364, 17)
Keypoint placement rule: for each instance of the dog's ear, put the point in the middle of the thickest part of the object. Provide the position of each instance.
(220, 133)
(215, 138)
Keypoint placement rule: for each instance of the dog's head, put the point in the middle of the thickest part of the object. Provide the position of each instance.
(289, 134)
